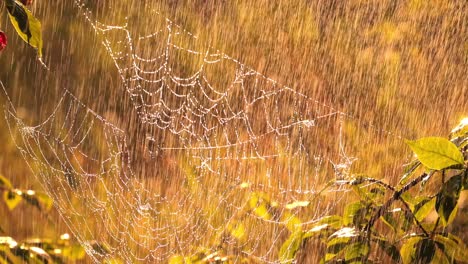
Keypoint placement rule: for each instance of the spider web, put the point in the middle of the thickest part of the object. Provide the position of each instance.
(220, 141)
(84, 164)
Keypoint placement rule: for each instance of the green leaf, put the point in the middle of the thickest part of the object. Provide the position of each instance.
(45, 201)
(317, 229)
(389, 248)
(324, 225)
(436, 153)
(440, 257)
(453, 248)
(425, 251)
(177, 259)
(39, 255)
(26, 25)
(260, 205)
(290, 247)
(390, 221)
(292, 222)
(338, 242)
(346, 232)
(5, 183)
(74, 252)
(354, 213)
(238, 231)
(297, 204)
(423, 209)
(335, 221)
(408, 250)
(409, 170)
(344, 235)
(447, 199)
(356, 252)
(12, 199)
(376, 194)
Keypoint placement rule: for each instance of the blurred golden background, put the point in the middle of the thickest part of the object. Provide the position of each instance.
(396, 68)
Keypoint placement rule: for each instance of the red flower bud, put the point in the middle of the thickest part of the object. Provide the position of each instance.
(3, 40)
(26, 2)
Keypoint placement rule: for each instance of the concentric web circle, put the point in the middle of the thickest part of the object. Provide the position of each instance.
(232, 161)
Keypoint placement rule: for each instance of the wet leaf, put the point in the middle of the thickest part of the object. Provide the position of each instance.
(389, 248)
(453, 248)
(345, 232)
(297, 204)
(325, 224)
(390, 221)
(238, 231)
(74, 252)
(26, 25)
(356, 251)
(259, 203)
(409, 170)
(290, 247)
(5, 183)
(176, 260)
(440, 257)
(262, 212)
(425, 250)
(342, 236)
(45, 201)
(436, 153)
(21, 252)
(355, 213)
(12, 199)
(408, 249)
(9, 241)
(39, 255)
(338, 242)
(317, 229)
(334, 221)
(424, 208)
(447, 199)
(292, 222)
(376, 194)
(461, 131)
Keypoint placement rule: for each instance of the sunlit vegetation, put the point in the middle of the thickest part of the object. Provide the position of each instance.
(335, 189)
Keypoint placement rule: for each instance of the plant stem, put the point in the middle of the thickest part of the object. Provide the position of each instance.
(396, 196)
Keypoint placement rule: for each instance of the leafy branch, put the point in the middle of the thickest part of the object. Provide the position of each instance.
(34, 250)
(27, 26)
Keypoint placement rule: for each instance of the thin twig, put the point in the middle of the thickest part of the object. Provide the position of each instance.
(396, 196)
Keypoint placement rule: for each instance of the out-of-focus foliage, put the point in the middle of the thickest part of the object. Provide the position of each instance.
(36, 250)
